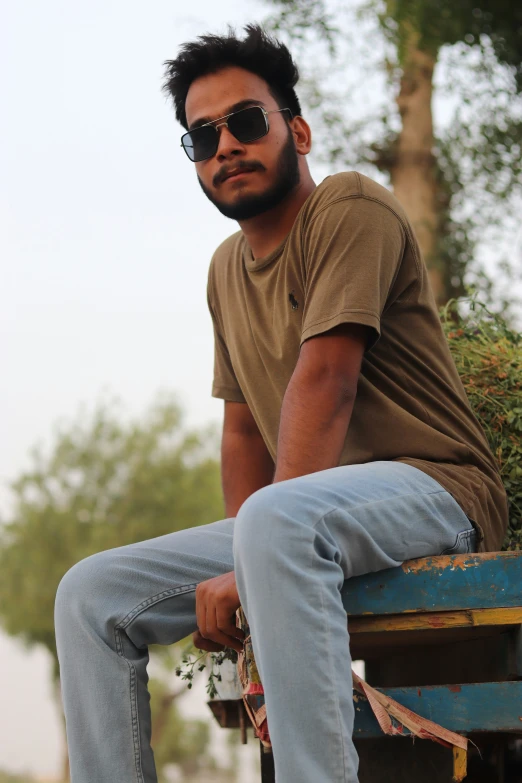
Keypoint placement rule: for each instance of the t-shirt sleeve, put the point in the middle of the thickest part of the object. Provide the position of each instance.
(352, 253)
(224, 385)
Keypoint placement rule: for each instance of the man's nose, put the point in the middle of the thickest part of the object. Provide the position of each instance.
(228, 145)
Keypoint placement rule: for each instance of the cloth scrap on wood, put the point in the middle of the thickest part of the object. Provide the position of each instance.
(392, 717)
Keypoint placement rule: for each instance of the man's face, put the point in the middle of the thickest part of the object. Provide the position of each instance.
(268, 167)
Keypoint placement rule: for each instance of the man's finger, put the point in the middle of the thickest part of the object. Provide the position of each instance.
(218, 637)
(201, 611)
(227, 626)
(214, 631)
(208, 645)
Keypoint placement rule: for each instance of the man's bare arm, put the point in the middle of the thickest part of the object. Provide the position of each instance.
(318, 402)
(246, 464)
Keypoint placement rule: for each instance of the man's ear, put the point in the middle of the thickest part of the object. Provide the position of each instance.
(302, 134)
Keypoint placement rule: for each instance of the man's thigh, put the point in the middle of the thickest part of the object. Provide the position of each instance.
(394, 508)
(147, 589)
(177, 559)
(377, 515)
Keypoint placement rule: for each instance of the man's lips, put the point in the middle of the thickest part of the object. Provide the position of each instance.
(236, 174)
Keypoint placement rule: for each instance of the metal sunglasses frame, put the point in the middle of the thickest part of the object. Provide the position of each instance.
(226, 118)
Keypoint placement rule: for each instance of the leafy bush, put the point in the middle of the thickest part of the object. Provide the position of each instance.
(11, 777)
(488, 355)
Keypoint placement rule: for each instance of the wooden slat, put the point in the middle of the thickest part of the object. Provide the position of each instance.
(267, 766)
(373, 646)
(436, 584)
(230, 713)
(460, 764)
(429, 621)
(480, 707)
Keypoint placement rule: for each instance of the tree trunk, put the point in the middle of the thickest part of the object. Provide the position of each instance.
(413, 166)
(161, 715)
(65, 774)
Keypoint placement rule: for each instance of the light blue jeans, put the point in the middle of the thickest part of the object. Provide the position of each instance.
(292, 545)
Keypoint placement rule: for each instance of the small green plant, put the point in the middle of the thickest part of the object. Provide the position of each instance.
(488, 355)
(191, 664)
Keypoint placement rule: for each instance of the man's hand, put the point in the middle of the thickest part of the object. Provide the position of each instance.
(216, 602)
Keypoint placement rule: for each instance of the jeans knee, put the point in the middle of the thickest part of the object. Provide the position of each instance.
(267, 523)
(81, 590)
(248, 534)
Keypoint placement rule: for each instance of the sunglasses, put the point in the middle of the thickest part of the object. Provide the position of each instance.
(246, 125)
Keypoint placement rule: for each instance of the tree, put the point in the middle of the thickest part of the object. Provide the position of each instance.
(488, 357)
(175, 741)
(459, 180)
(105, 483)
(7, 777)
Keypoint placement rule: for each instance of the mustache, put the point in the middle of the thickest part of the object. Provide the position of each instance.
(243, 165)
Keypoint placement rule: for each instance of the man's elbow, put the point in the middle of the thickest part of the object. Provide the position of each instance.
(330, 383)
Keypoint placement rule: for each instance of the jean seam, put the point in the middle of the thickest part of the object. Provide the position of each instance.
(154, 599)
(124, 623)
(134, 707)
(328, 643)
(463, 535)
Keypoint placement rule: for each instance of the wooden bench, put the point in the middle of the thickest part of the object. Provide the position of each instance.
(447, 632)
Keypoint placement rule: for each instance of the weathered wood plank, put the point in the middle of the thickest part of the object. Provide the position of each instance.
(267, 766)
(460, 763)
(230, 713)
(419, 621)
(373, 646)
(475, 581)
(480, 707)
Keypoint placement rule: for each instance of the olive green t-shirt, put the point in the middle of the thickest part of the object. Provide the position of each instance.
(352, 257)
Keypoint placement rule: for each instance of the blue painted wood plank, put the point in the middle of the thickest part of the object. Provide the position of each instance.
(474, 581)
(489, 707)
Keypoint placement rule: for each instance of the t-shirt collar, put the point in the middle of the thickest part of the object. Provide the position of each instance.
(255, 264)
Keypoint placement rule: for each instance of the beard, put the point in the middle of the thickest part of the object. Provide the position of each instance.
(287, 167)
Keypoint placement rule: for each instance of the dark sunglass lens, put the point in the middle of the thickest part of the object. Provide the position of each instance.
(248, 124)
(201, 143)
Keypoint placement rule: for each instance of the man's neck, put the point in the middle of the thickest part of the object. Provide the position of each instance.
(265, 232)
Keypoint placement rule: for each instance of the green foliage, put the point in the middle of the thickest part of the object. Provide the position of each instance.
(488, 355)
(192, 663)
(105, 483)
(441, 22)
(9, 777)
(303, 17)
(181, 741)
(176, 740)
(352, 57)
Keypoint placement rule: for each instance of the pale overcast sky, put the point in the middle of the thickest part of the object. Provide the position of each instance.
(105, 247)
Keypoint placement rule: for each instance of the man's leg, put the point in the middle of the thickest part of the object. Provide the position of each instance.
(109, 607)
(294, 545)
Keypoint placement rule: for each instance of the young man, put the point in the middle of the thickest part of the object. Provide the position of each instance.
(348, 443)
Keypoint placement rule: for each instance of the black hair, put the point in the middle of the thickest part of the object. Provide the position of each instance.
(257, 52)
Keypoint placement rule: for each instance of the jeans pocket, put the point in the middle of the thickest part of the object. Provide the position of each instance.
(466, 541)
